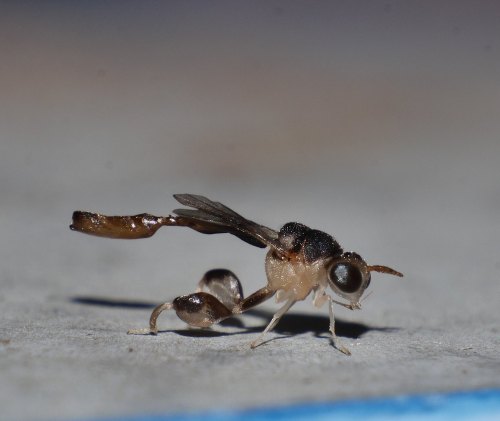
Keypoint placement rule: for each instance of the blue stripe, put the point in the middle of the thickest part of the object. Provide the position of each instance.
(474, 405)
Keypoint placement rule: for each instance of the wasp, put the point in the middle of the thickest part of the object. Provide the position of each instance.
(300, 261)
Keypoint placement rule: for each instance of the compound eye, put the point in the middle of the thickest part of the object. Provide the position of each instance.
(346, 277)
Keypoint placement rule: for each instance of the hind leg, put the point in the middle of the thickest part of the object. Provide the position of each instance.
(153, 328)
(223, 285)
(218, 296)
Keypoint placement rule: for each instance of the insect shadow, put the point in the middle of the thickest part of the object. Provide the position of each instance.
(289, 325)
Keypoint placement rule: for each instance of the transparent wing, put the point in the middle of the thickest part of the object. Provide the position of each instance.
(213, 217)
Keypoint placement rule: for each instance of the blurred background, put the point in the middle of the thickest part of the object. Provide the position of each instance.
(375, 121)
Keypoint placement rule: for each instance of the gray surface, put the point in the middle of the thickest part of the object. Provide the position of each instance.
(377, 123)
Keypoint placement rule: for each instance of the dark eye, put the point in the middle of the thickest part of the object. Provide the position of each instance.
(346, 277)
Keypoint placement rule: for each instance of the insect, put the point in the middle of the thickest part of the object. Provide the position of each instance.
(300, 261)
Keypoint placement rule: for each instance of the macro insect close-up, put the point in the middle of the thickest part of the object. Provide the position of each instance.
(300, 261)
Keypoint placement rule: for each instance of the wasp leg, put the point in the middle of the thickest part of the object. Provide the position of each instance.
(223, 285)
(273, 322)
(219, 291)
(256, 298)
(198, 310)
(153, 328)
(226, 287)
(335, 340)
(219, 296)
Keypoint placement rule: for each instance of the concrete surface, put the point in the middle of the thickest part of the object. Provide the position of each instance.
(375, 122)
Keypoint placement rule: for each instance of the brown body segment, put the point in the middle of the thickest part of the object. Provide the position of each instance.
(143, 225)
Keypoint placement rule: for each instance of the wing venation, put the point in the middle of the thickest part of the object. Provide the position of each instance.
(212, 217)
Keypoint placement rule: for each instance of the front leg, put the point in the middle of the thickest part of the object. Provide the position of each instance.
(335, 340)
(319, 299)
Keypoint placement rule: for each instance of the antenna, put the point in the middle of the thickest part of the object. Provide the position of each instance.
(384, 269)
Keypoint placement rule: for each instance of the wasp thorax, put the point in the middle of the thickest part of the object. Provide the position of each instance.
(313, 244)
(320, 245)
(292, 235)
